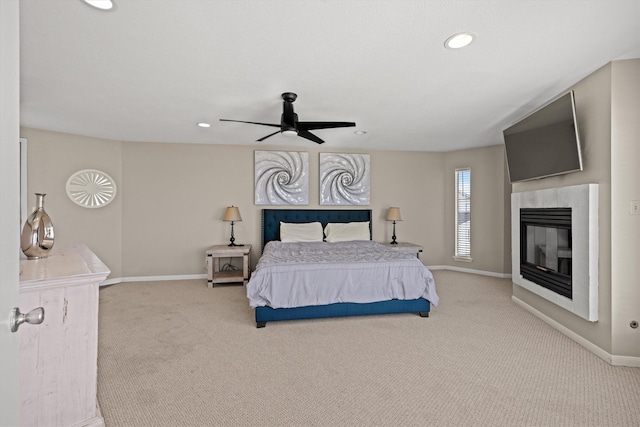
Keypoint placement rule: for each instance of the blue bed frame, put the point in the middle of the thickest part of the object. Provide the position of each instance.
(271, 219)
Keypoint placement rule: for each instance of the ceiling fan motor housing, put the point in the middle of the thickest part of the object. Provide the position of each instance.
(289, 96)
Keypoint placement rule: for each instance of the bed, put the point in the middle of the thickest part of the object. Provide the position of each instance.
(266, 310)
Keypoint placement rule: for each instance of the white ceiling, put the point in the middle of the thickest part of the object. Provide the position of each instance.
(149, 70)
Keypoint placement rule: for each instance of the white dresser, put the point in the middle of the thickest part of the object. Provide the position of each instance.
(58, 358)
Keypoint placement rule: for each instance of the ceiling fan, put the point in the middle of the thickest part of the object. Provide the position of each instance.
(289, 124)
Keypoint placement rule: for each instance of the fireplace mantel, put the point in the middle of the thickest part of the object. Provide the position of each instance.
(583, 201)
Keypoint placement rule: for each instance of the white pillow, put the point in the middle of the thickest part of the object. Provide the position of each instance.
(345, 231)
(307, 232)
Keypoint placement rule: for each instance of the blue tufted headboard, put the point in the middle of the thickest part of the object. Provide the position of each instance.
(271, 219)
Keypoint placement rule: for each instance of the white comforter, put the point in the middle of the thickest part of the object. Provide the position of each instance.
(320, 273)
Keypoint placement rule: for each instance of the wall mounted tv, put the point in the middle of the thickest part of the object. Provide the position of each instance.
(545, 143)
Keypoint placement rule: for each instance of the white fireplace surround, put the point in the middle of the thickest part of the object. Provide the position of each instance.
(583, 201)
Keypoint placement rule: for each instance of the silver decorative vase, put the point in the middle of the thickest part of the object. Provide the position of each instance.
(36, 240)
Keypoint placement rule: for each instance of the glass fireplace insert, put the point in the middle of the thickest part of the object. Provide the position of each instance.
(545, 248)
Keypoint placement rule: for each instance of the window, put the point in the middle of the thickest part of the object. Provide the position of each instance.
(463, 215)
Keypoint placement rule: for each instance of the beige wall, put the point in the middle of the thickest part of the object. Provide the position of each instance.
(490, 192)
(625, 186)
(608, 109)
(171, 198)
(52, 157)
(176, 195)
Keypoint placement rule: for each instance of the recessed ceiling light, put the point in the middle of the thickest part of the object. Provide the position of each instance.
(459, 40)
(359, 132)
(101, 4)
(204, 125)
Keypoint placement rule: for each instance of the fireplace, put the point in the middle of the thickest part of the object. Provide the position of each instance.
(554, 241)
(545, 248)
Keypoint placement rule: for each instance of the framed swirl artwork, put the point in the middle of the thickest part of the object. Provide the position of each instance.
(345, 179)
(281, 178)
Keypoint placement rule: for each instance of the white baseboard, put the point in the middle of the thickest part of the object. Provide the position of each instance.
(117, 280)
(607, 357)
(634, 362)
(204, 276)
(469, 270)
(152, 278)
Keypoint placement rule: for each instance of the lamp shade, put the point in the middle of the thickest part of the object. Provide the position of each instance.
(394, 214)
(232, 214)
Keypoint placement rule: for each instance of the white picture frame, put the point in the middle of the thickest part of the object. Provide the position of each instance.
(345, 179)
(281, 178)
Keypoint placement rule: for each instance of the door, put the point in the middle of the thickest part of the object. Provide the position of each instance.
(9, 207)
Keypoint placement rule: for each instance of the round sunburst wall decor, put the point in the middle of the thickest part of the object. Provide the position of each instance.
(91, 188)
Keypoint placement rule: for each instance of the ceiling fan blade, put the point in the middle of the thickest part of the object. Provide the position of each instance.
(324, 125)
(253, 123)
(265, 137)
(308, 135)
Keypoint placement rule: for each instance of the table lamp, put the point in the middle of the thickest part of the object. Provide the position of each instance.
(232, 214)
(394, 215)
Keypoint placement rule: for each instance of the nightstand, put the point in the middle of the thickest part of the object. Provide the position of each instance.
(214, 275)
(405, 247)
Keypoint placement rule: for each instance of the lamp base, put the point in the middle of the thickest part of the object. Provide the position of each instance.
(232, 239)
(393, 238)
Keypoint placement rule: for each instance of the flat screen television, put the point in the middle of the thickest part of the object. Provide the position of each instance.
(545, 143)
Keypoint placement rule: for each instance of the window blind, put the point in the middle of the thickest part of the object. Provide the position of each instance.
(463, 213)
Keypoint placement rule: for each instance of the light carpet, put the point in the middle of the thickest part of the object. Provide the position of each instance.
(177, 353)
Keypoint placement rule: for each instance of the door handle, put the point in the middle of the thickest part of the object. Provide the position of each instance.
(34, 317)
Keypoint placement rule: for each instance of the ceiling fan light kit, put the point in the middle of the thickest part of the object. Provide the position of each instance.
(290, 126)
